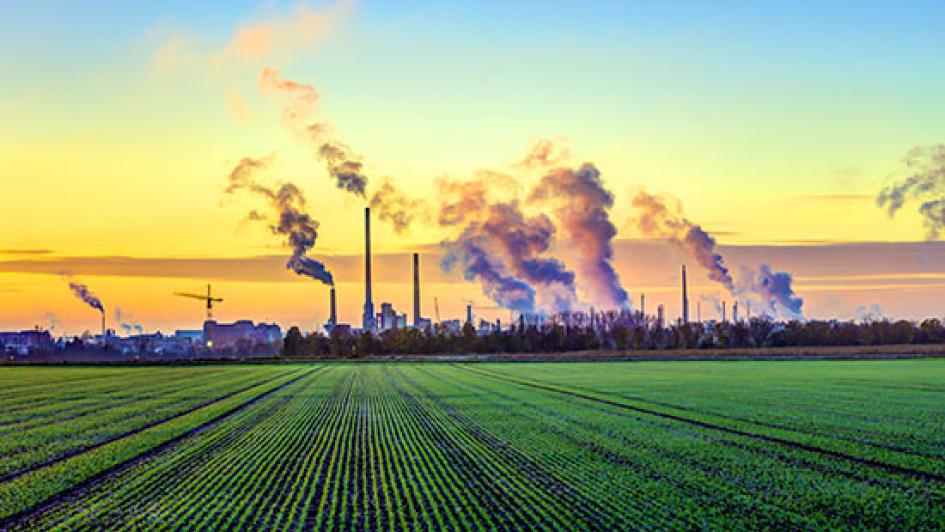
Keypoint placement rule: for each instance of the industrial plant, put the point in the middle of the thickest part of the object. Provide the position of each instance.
(245, 338)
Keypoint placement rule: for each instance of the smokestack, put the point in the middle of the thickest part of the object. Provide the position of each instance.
(416, 290)
(735, 311)
(469, 314)
(748, 310)
(699, 311)
(723, 312)
(103, 324)
(685, 298)
(333, 319)
(659, 316)
(368, 319)
(643, 305)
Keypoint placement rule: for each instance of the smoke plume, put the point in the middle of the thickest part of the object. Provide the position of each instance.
(472, 251)
(659, 220)
(288, 218)
(870, 314)
(82, 292)
(775, 292)
(393, 206)
(521, 241)
(582, 207)
(461, 201)
(341, 162)
(925, 184)
(126, 322)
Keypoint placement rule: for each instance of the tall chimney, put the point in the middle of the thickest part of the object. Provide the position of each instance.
(735, 312)
(103, 325)
(659, 316)
(469, 314)
(643, 306)
(416, 290)
(685, 298)
(699, 311)
(333, 319)
(368, 319)
(748, 310)
(723, 312)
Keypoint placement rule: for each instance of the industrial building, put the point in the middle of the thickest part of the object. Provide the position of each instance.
(22, 342)
(242, 335)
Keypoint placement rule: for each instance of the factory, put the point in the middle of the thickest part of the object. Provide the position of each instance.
(388, 319)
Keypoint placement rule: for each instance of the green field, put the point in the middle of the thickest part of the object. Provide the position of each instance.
(680, 445)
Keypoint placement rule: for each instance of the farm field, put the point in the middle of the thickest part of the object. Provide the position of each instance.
(610, 445)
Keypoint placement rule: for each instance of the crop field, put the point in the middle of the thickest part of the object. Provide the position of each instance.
(606, 446)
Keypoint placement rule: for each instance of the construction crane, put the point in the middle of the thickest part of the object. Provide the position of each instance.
(208, 298)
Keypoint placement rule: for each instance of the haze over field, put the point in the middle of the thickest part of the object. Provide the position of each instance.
(546, 156)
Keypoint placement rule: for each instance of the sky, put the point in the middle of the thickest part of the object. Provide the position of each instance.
(774, 124)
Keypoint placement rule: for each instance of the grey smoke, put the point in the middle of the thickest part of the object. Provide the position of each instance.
(288, 218)
(925, 184)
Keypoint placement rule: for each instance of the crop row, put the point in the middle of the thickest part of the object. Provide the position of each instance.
(349, 448)
(713, 477)
(25, 492)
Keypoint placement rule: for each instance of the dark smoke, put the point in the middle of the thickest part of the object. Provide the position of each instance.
(925, 184)
(82, 292)
(344, 166)
(289, 219)
(394, 207)
(659, 220)
(582, 207)
(340, 161)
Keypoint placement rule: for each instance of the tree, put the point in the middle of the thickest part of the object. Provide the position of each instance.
(292, 345)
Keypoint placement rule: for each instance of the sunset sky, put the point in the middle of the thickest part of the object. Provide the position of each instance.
(775, 124)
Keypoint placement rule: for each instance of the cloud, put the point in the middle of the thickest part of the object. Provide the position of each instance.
(25, 251)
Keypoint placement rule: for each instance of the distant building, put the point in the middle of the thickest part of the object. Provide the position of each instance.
(193, 336)
(388, 318)
(22, 342)
(241, 336)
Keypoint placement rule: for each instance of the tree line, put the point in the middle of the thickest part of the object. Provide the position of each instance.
(562, 337)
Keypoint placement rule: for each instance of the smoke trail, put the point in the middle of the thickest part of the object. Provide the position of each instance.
(501, 245)
(340, 161)
(870, 314)
(478, 262)
(53, 321)
(82, 292)
(126, 322)
(925, 183)
(775, 292)
(288, 205)
(393, 206)
(521, 240)
(544, 153)
(657, 219)
(582, 207)
(461, 201)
